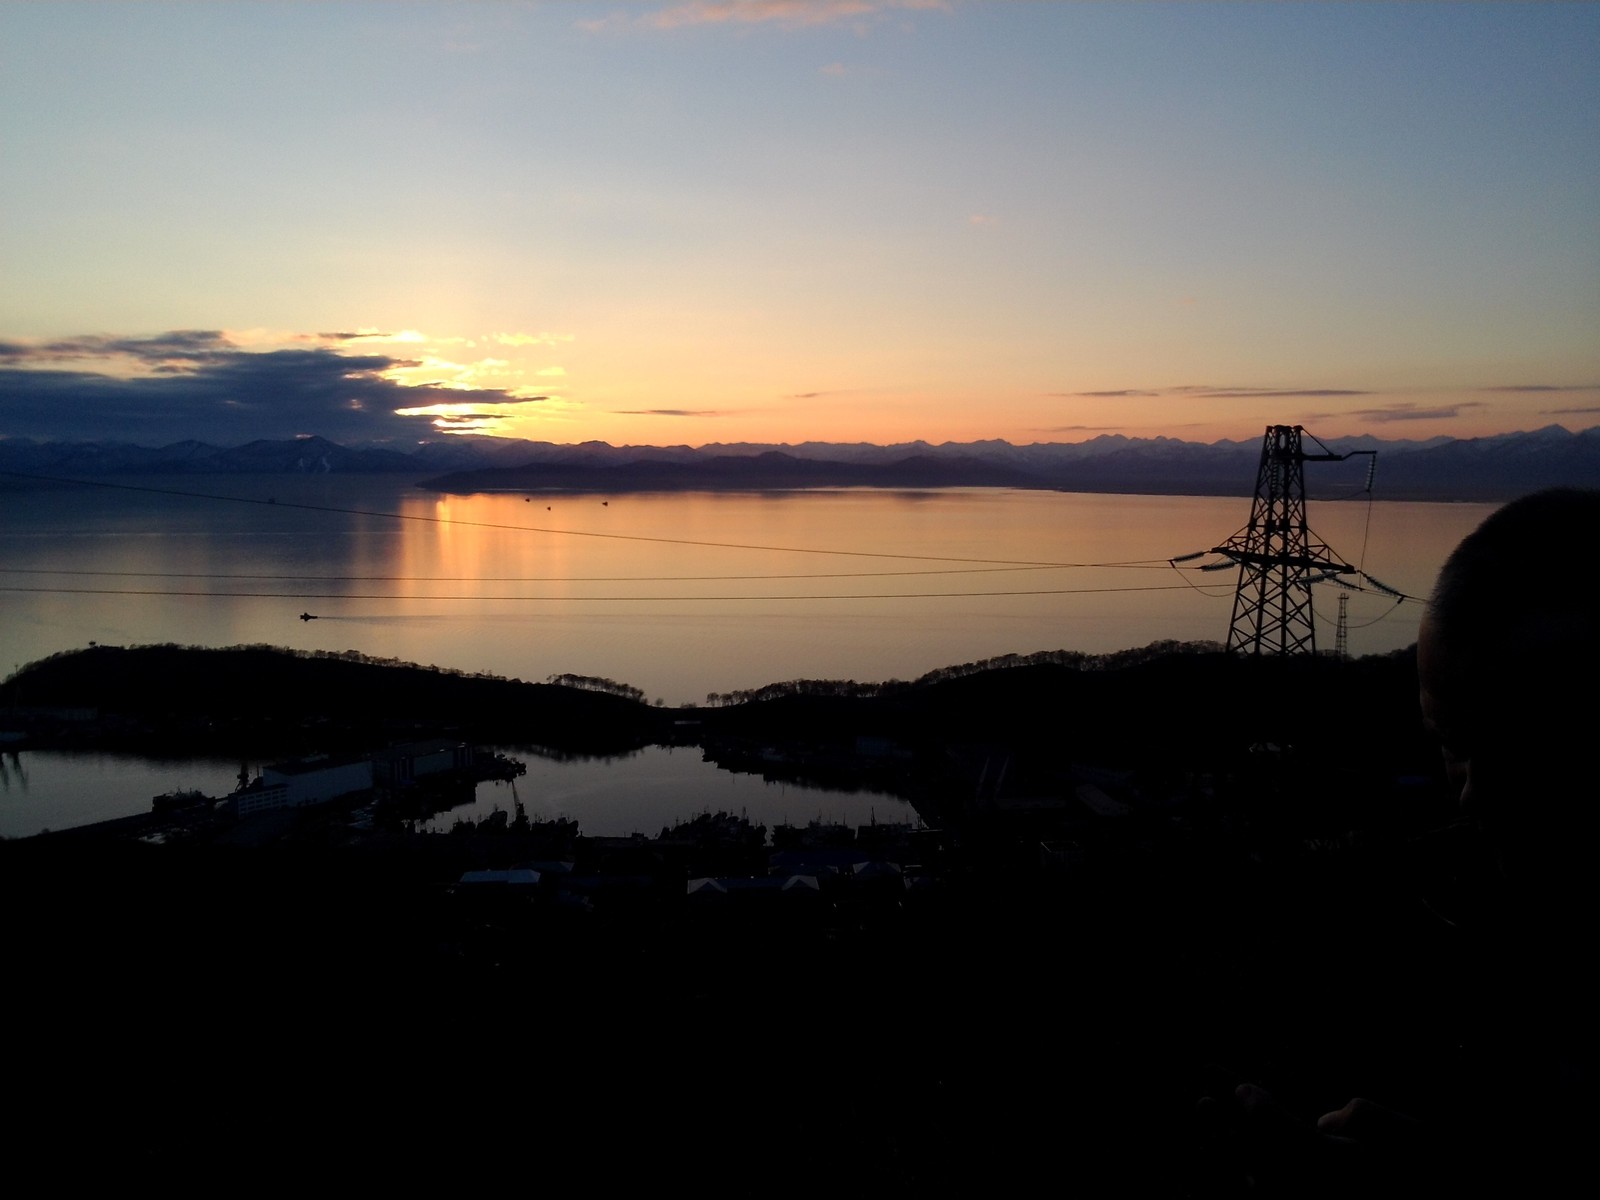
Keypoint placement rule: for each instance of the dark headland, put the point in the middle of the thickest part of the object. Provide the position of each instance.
(1132, 852)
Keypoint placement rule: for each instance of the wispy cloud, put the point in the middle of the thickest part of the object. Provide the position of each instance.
(1253, 393)
(1544, 387)
(1552, 390)
(1111, 395)
(819, 395)
(1208, 392)
(669, 412)
(1411, 412)
(399, 337)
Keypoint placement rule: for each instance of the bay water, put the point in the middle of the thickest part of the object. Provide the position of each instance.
(678, 594)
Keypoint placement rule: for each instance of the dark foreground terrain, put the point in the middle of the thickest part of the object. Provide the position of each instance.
(1265, 901)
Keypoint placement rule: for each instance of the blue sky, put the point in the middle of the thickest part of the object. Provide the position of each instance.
(780, 221)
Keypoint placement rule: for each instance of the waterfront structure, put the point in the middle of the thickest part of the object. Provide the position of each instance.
(398, 766)
(303, 782)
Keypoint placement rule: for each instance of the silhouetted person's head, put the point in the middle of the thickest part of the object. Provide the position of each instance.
(1509, 660)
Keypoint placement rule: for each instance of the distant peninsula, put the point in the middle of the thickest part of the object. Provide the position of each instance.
(1482, 469)
(771, 470)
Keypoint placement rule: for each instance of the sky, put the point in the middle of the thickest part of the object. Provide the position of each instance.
(780, 221)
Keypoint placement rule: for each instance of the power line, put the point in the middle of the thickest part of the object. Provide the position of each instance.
(1383, 616)
(623, 537)
(227, 575)
(66, 591)
(1208, 595)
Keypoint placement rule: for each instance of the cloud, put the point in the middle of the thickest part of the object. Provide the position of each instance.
(832, 69)
(832, 392)
(1207, 392)
(377, 336)
(198, 384)
(1250, 393)
(788, 14)
(668, 412)
(158, 352)
(1112, 395)
(472, 416)
(1552, 389)
(1410, 412)
(1544, 387)
(1081, 429)
(478, 409)
(980, 219)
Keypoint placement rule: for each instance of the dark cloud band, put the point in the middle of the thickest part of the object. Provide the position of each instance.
(196, 384)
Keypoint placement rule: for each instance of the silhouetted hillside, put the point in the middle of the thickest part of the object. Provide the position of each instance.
(263, 696)
(1177, 695)
(1166, 704)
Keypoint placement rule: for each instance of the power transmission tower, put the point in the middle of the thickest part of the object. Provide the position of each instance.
(1341, 634)
(1278, 557)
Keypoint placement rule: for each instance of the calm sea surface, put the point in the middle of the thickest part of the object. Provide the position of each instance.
(680, 595)
(635, 793)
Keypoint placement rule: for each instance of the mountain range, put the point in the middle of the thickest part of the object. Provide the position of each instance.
(1490, 468)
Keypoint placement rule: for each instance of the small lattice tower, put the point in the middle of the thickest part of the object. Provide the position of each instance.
(1278, 556)
(1341, 631)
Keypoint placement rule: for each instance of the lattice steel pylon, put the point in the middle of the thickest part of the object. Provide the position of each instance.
(1278, 556)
